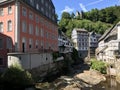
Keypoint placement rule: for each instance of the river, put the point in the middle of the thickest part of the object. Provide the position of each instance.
(63, 81)
(109, 84)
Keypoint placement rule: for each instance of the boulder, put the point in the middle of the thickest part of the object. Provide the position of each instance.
(91, 77)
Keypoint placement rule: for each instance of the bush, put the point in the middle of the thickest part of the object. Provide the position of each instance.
(99, 66)
(16, 77)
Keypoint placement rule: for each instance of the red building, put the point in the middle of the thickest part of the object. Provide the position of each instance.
(31, 24)
(6, 46)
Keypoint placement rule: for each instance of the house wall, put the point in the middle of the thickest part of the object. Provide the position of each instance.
(47, 34)
(29, 60)
(81, 42)
(5, 18)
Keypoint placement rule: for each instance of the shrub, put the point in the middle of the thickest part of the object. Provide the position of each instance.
(99, 66)
(16, 77)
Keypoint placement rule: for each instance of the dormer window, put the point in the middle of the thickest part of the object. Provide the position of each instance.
(37, 6)
(32, 2)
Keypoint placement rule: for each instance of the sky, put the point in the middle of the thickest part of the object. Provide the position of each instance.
(84, 5)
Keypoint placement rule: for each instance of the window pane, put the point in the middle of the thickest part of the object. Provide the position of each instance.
(1, 61)
(1, 11)
(9, 43)
(1, 43)
(24, 12)
(9, 10)
(1, 26)
(9, 25)
(24, 26)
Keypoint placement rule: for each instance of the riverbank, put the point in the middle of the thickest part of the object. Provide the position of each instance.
(76, 80)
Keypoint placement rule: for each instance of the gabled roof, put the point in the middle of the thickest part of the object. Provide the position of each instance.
(109, 31)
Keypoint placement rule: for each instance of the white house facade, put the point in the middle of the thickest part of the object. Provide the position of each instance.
(64, 43)
(109, 45)
(93, 37)
(80, 38)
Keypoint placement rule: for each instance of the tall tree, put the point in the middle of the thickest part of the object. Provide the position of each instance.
(66, 15)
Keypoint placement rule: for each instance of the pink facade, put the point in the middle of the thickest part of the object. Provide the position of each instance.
(29, 30)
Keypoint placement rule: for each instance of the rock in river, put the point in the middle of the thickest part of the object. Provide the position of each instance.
(91, 77)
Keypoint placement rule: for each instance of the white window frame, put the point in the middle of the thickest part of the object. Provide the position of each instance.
(9, 25)
(9, 9)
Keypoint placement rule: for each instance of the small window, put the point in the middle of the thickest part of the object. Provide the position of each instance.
(9, 10)
(1, 26)
(24, 26)
(1, 43)
(9, 25)
(1, 61)
(30, 43)
(24, 11)
(9, 43)
(37, 19)
(37, 31)
(36, 43)
(42, 33)
(1, 12)
(30, 28)
(31, 15)
(37, 6)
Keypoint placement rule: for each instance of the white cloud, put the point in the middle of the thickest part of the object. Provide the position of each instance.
(92, 3)
(68, 9)
(83, 7)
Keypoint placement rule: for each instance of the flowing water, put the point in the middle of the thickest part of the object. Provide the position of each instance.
(109, 84)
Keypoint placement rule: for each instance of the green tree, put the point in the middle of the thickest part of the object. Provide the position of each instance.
(66, 15)
(72, 16)
(15, 76)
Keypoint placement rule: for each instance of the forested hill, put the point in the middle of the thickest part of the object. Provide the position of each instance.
(108, 15)
(94, 20)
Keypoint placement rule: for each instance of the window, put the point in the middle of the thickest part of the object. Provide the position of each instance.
(37, 6)
(30, 29)
(9, 25)
(24, 11)
(42, 1)
(30, 43)
(1, 12)
(32, 2)
(42, 33)
(9, 10)
(9, 43)
(36, 43)
(1, 61)
(37, 31)
(1, 43)
(24, 26)
(31, 15)
(1, 26)
(37, 19)
(42, 9)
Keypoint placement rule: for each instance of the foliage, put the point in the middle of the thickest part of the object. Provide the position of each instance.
(94, 20)
(107, 15)
(67, 25)
(66, 15)
(16, 77)
(55, 55)
(75, 55)
(98, 65)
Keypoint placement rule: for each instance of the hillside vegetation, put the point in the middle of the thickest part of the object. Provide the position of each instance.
(95, 20)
